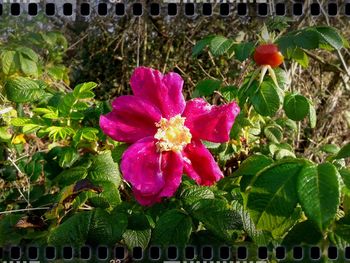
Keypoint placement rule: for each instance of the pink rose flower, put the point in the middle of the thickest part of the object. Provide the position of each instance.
(165, 134)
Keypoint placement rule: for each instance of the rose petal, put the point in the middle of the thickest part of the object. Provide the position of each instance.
(200, 165)
(164, 91)
(131, 119)
(210, 122)
(151, 174)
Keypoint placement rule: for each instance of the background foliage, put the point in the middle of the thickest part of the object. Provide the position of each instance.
(287, 177)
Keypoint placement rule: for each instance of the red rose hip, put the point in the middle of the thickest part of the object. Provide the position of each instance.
(268, 54)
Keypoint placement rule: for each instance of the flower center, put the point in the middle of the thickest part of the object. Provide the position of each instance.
(172, 135)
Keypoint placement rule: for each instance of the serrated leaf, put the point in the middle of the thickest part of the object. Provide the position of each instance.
(344, 152)
(273, 195)
(299, 56)
(216, 216)
(261, 238)
(200, 45)
(103, 168)
(4, 134)
(219, 45)
(282, 77)
(28, 67)
(84, 90)
(106, 228)
(172, 228)
(20, 89)
(109, 197)
(250, 167)
(266, 100)
(307, 39)
(57, 72)
(330, 148)
(8, 61)
(74, 231)
(345, 175)
(68, 177)
(287, 224)
(28, 53)
(296, 106)
(8, 234)
(318, 191)
(194, 193)
(229, 92)
(283, 153)
(312, 116)
(67, 157)
(206, 87)
(137, 238)
(66, 104)
(330, 36)
(273, 133)
(303, 233)
(20, 121)
(243, 50)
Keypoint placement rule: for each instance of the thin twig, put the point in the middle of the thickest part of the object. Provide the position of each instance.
(24, 210)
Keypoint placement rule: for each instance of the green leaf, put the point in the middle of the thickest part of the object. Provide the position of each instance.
(312, 115)
(216, 216)
(68, 157)
(70, 176)
(243, 50)
(57, 72)
(28, 53)
(20, 89)
(250, 167)
(194, 193)
(106, 228)
(206, 87)
(220, 45)
(84, 90)
(172, 228)
(229, 92)
(28, 67)
(200, 45)
(74, 231)
(303, 233)
(330, 36)
(8, 61)
(118, 151)
(8, 233)
(273, 195)
(282, 77)
(4, 134)
(266, 100)
(299, 56)
(103, 168)
(261, 238)
(283, 153)
(345, 175)
(287, 224)
(318, 191)
(109, 197)
(66, 104)
(344, 152)
(296, 106)
(307, 39)
(273, 133)
(330, 148)
(137, 238)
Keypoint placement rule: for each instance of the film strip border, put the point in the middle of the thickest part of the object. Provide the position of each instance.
(223, 8)
(171, 254)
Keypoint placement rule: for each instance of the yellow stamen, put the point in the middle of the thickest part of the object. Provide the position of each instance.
(172, 134)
